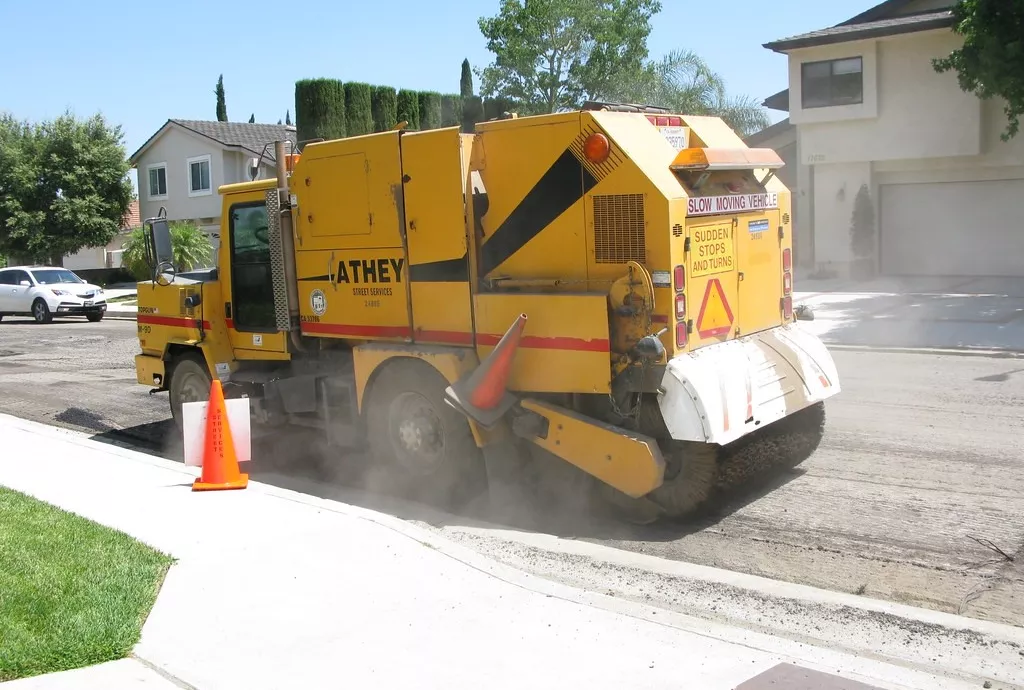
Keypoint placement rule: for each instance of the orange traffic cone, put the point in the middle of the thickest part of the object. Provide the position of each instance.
(483, 394)
(220, 466)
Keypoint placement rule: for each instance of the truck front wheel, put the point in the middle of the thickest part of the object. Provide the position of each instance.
(190, 382)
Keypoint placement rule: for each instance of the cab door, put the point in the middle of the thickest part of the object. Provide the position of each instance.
(248, 285)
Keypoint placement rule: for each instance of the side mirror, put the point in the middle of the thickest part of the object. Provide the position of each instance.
(160, 236)
(25, 283)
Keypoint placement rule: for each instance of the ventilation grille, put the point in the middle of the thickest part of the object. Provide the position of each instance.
(619, 229)
(677, 230)
(785, 219)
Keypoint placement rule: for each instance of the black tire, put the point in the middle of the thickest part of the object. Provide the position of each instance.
(190, 382)
(424, 445)
(689, 478)
(98, 316)
(41, 312)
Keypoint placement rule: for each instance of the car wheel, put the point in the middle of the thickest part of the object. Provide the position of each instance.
(95, 317)
(40, 312)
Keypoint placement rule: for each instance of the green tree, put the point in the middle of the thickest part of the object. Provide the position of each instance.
(189, 244)
(991, 61)
(408, 108)
(384, 105)
(358, 111)
(63, 186)
(319, 109)
(222, 108)
(288, 117)
(430, 109)
(684, 83)
(466, 81)
(552, 54)
(252, 119)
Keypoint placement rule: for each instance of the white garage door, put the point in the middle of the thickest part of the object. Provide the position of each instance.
(953, 228)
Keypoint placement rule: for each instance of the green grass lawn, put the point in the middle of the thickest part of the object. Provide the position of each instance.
(72, 593)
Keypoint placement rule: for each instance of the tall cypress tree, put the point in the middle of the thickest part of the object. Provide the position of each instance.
(409, 108)
(384, 104)
(358, 113)
(466, 83)
(430, 109)
(451, 110)
(252, 118)
(288, 117)
(222, 108)
(319, 109)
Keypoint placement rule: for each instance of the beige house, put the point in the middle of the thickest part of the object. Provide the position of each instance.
(867, 108)
(181, 166)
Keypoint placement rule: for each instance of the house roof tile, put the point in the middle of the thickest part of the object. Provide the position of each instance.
(132, 219)
(873, 29)
(250, 137)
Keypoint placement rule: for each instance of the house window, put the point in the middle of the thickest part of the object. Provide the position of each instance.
(832, 82)
(199, 183)
(157, 180)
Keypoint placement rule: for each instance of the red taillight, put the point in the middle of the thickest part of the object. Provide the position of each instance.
(787, 259)
(663, 122)
(653, 120)
(679, 278)
(787, 283)
(680, 306)
(681, 334)
(675, 122)
(787, 307)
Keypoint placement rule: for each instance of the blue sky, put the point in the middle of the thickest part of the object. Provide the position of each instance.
(141, 63)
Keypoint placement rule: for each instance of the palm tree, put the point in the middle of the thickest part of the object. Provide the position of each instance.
(191, 247)
(684, 83)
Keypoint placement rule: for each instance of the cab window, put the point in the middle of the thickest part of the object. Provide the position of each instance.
(251, 281)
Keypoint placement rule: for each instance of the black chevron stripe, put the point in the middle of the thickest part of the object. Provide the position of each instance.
(564, 183)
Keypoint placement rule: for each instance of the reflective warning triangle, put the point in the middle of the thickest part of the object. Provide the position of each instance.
(715, 316)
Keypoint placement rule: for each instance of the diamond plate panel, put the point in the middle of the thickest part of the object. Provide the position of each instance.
(277, 261)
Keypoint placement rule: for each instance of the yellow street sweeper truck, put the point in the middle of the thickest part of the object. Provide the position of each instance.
(609, 288)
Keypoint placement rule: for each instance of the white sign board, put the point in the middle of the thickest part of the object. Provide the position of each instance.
(193, 422)
(734, 203)
(679, 137)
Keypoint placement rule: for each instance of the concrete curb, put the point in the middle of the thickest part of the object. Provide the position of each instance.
(954, 646)
(951, 351)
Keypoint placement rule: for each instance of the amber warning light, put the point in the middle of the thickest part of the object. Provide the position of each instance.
(727, 159)
(596, 148)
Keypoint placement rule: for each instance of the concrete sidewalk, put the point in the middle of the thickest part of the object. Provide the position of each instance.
(276, 589)
(934, 313)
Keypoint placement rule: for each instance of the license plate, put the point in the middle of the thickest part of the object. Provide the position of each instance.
(88, 303)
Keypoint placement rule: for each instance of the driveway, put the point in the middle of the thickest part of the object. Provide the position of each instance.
(944, 313)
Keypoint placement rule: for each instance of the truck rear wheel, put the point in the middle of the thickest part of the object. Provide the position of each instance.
(190, 382)
(426, 446)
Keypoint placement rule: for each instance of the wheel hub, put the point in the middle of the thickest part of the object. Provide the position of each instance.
(416, 433)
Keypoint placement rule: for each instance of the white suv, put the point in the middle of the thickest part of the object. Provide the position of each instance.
(43, 292)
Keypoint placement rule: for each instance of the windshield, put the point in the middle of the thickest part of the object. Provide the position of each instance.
(53, 276)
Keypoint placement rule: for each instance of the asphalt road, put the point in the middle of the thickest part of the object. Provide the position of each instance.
(916, 495)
